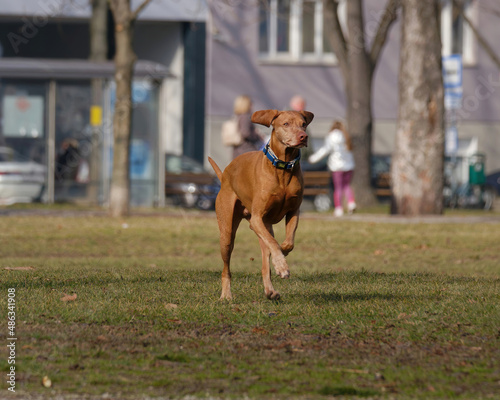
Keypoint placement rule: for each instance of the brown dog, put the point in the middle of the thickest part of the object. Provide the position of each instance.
(263, 187)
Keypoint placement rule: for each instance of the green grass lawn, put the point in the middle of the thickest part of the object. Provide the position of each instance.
(371, 310)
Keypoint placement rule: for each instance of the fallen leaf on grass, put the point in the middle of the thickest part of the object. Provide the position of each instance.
(46, 382)
(379, 376)
(259, 330)
(175, 321)
(387, 387)
(171, 306)
(146, 336)
(379, 252)
(19, 268)
(67, 297)
(238, 310)
(352, 371)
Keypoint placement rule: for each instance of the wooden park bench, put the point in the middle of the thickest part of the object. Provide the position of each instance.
(317, 182)
(383, 185)
(318, 187)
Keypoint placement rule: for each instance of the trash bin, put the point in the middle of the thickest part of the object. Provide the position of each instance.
(476, 169)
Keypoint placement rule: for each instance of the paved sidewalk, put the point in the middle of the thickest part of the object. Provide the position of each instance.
(487, 218)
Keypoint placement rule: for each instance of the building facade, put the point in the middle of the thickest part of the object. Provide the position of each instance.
(49, 112)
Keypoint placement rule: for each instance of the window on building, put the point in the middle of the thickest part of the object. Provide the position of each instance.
(293, 31)
(283, 26)
(23, 125)
(457, 27)
(456, 34)
(308, 28)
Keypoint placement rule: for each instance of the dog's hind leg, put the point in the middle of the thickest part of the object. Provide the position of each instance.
(228, 224)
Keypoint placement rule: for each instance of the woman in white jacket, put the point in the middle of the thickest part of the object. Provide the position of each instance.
(341, 162)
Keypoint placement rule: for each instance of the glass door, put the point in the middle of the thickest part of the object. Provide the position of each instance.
(74, 144)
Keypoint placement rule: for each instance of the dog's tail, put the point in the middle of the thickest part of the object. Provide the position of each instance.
(216, 168)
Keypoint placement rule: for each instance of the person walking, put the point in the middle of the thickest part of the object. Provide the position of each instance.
(251, 139)
(338, 148)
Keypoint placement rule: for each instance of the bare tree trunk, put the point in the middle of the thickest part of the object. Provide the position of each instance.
(357, 66)
(99, 30)
(359, 107)
(124, 61)
(98, 52)
(417, 166)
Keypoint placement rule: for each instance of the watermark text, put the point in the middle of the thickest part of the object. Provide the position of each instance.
(11, 339)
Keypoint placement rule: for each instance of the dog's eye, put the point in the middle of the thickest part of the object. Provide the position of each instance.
(285, 124)
(304, 125)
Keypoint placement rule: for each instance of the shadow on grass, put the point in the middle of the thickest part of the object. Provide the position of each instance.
(346, 391)
(335, 297)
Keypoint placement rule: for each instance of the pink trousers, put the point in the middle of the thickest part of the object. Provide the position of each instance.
(342, 187)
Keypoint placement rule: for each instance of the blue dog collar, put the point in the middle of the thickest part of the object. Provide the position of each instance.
(276, 161)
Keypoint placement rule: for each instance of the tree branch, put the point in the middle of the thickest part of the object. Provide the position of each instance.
(336, 36)
(136, 13)
(480, 38)
(390, 15)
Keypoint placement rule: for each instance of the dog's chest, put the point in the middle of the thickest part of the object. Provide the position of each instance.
(285, 198)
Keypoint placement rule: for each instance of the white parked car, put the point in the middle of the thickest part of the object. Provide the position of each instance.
(21, 180)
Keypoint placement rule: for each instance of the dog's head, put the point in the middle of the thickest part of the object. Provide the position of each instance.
(288, 126)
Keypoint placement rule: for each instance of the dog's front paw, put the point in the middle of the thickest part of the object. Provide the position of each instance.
(226, 289)
(284, 274)
(286, 248)
(273, 295)
(226, 296)
(281, 267)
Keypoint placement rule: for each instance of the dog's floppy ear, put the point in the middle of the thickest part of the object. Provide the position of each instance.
(264, 117)
(308, 116)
